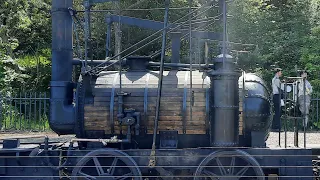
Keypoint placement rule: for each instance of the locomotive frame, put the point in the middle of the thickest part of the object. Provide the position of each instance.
(224, 150)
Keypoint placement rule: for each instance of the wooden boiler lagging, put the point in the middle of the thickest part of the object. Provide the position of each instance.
(142, 86)
(215, 112)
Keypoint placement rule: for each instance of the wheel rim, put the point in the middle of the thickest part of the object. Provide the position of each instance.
(106, 164)
(229, 165)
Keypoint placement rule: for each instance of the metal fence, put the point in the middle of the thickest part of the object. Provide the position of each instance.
(314, 114)
(24, 111)
(30, 111)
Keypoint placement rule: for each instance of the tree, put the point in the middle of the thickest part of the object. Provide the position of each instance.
(278, 28)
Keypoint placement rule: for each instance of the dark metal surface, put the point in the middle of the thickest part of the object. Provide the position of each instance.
(11, 143)
(62, 119)
(175, 46)
(224, 104)
(168, 139)
(286, 163)
(138, 63)
(83, 84)
(104, 163)
(257, 107)
(232, 164)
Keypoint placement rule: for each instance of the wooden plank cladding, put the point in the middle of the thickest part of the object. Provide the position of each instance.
(142, 89)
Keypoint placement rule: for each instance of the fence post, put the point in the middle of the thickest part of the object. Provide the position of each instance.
(317, 112)
(1, 119)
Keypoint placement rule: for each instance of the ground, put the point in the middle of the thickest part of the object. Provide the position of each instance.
(312, 138)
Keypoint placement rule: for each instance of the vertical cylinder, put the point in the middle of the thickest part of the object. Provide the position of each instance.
(61, 41)
(224, 103)
(61, 110)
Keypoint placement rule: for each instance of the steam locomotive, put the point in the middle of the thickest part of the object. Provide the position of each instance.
(211, 123)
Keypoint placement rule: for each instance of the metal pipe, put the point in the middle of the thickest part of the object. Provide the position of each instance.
(317, 113)
(285, 107)
(224, 32)
(108, 40)
(150, 63)
(103, 141)
(305, 110)
(61, 109)
(20, 111)
(152, 158)
(243, 103)
(190, 59)
(87, 43)
(181, 65)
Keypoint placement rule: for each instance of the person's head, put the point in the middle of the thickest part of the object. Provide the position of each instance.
(278, 71)
(304, 74)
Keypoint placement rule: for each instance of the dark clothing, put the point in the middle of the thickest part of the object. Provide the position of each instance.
(277, 114)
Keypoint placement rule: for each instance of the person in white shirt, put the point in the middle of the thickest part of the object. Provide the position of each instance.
(276, 91)
(304, 95)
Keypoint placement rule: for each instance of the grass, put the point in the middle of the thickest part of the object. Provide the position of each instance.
(11, 119)
(14, 122)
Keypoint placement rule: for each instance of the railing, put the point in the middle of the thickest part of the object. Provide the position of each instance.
(314, 118)
(30, 111)
(24, 111)
(314, 114)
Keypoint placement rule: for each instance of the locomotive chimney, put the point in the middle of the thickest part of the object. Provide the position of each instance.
(224, 95)
(224, 103)
(61, 108)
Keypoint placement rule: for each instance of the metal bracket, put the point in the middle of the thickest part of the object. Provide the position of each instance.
(168, 139)
(11, 143)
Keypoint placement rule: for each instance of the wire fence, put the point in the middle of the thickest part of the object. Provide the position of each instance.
(24, 111)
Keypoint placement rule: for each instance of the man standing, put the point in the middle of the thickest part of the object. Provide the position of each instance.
(304, 95)
(276, 91)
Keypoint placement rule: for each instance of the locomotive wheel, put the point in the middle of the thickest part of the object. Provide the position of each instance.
(229, 165)
(108, 165)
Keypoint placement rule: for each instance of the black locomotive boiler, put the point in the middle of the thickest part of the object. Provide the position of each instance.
(104, 113)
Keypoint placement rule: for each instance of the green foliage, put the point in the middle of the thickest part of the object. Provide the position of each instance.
(311, 58)
(278, 29)
(24, 26)
(38, 69)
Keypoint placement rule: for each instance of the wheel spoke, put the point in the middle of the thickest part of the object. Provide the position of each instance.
(209, 173)
(243, 170)
(221, 168)
(232, 164)
(125, 176)
(112, 163)
(113, 166)
(98, 166)
(227, 168)
(86, 176)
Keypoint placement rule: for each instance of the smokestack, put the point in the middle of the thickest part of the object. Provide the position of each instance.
(61, 108)
(224, 103)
